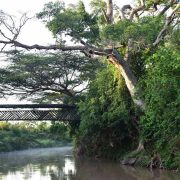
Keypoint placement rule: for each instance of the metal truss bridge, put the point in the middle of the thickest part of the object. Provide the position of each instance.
(38, 112)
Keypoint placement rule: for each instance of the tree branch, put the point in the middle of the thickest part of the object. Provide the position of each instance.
(169, 20)
(109, 12)
(167, 7)
(129, 77)
(136, 10)
(105, 15)
(90, 49)
(123, 9)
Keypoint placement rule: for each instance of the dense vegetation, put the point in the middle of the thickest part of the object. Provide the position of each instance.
(160, 125)
(129, 105)
(107, 117)
(26, 135)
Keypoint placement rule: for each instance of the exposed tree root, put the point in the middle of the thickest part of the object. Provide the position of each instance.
(155, 162)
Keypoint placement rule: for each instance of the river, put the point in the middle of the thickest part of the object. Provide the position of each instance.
(59, 164)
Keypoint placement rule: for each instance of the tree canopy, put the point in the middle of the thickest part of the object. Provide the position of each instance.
(47, 76)
(85, 29)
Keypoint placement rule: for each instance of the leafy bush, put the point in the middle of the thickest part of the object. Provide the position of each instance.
(106, 127)
(160, 126)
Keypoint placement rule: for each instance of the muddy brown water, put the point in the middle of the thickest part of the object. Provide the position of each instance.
(59, 164)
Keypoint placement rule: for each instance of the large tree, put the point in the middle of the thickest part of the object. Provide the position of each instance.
(83, 28)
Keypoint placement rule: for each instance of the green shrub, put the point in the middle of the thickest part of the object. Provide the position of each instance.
(106, 127)
(160, 126)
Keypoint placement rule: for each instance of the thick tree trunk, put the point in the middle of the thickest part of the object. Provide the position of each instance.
(129, 77)
(131, 82)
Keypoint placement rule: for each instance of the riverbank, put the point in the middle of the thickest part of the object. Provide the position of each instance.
(25, 136)
(142, 158)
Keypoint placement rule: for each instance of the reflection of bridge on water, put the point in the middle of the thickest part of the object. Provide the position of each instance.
(38, 112)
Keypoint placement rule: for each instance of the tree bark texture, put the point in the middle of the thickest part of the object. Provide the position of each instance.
(130, 79)
(109, 12)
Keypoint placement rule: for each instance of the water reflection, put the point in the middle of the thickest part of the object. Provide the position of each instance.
(93, 170)
(37, 164)
(59, 164)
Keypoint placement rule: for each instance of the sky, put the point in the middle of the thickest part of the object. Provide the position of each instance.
(35, 32)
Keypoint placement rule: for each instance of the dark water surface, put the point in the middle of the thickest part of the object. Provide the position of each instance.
(59, 164)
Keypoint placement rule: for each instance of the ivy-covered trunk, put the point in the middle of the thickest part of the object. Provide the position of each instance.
(123, 66)
(131, 82)
(129, 77)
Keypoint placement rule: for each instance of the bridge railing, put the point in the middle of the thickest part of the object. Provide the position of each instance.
(31, 106)
(38, 112)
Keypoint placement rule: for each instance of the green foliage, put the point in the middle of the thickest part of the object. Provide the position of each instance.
(174, 39)
(60, 129)
(25, 135)
(75, 22)
(51, 9)
(106, 127)
(143, 32)
(160, 126)
(50, 76)
(97, 7)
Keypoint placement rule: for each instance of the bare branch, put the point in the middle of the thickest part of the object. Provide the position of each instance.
(9, 25)
(22, 22)
(2, 33)
(40, 47)
(167, 7)
(136, 10)
(169, 20)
